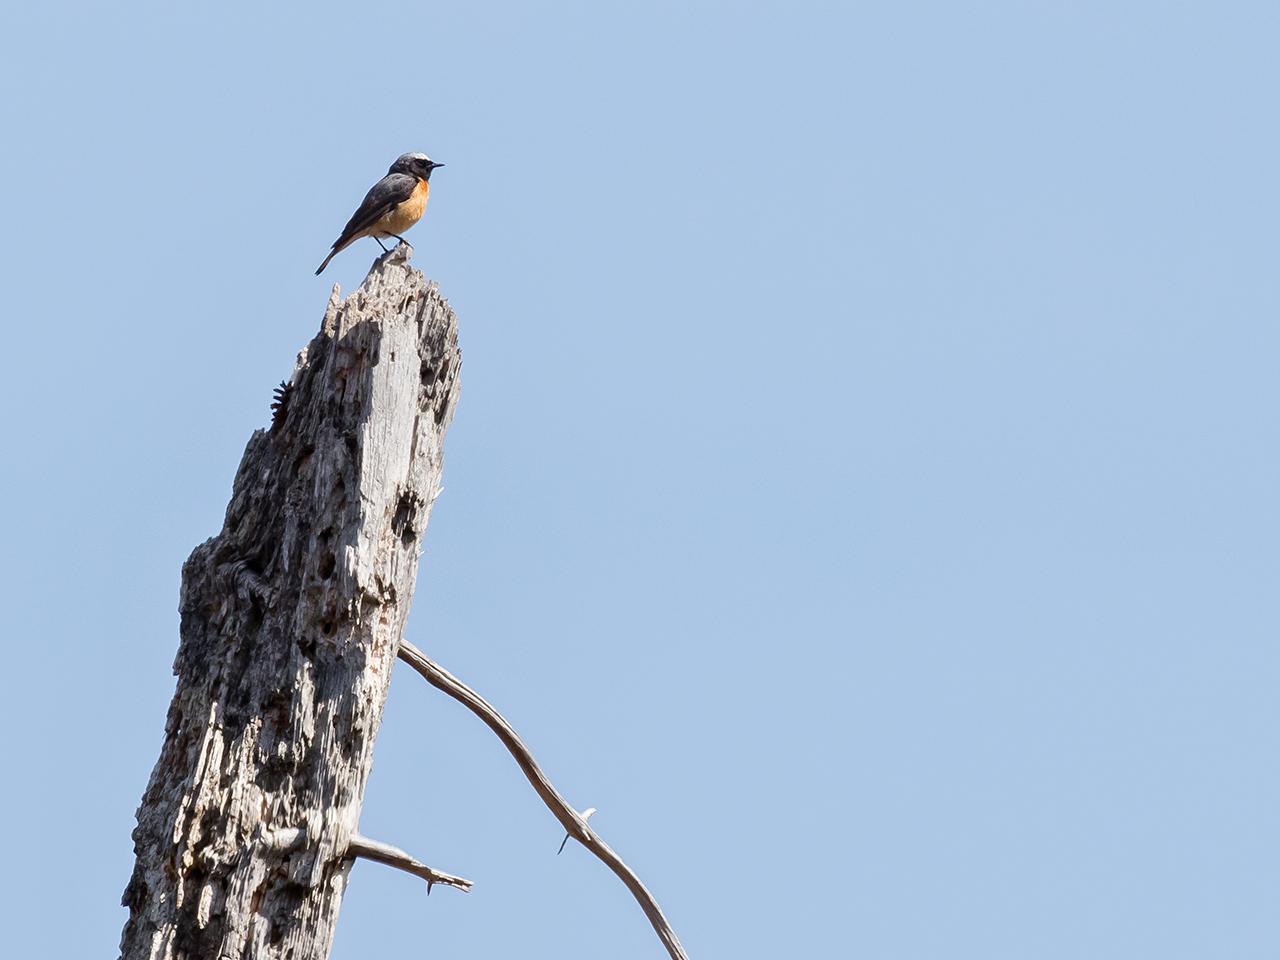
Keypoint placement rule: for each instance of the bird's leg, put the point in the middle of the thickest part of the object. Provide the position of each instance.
(403, 240)
(382, 245)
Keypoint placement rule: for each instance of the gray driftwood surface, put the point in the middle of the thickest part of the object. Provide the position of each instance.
(290, 622)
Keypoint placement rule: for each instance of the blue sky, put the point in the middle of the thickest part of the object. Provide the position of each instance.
(863, 489)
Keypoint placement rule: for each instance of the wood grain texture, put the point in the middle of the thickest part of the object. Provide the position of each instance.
(573, 821)
(290, 621)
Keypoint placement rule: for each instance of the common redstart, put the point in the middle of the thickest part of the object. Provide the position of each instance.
(393, 205)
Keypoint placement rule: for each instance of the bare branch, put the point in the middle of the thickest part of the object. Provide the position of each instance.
(586, 815)
(368, 849)
(288, 839)
(575, 824)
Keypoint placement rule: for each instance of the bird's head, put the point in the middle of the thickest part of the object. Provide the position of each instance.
(415, 164)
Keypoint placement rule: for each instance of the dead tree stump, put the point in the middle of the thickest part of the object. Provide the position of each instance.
(290, 622)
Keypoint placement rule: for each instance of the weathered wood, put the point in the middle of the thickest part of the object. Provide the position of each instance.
(573, 821)
(290, 622)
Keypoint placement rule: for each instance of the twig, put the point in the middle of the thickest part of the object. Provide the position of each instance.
(395, 857)
(287, 839)
(586, 815)
(572, 821)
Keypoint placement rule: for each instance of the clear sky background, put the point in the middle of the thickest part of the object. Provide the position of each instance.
(864, 488)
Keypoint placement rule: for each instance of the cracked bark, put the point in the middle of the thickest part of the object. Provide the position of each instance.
(290, 622)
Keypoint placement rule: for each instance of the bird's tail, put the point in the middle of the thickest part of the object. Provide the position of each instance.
(338, 246)
(332, 254)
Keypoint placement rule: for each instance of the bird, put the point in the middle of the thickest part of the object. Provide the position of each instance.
(585, 815)
(392, 205)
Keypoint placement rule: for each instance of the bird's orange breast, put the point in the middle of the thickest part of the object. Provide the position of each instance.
(407, 213)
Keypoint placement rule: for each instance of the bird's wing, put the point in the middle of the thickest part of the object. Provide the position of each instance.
(383, 196)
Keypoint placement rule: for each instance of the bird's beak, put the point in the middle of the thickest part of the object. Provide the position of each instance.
(434, 164)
